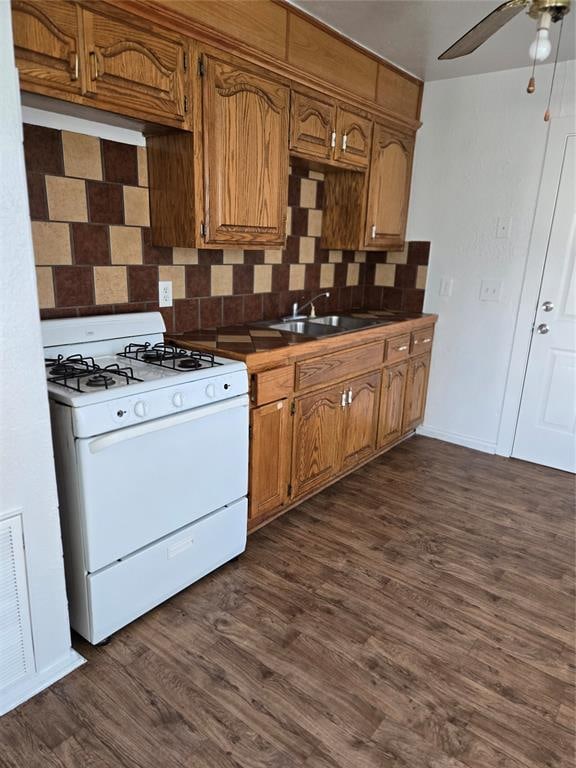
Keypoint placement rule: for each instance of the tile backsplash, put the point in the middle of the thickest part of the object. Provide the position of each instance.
(93, 251)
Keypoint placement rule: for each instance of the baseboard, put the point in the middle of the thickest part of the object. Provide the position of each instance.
(26, 689)
(457, 439)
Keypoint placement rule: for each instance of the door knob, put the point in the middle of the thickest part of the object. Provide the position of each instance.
(542, 328)
(547, 306)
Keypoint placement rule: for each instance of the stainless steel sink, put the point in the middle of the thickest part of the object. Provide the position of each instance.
(322, 326)
(291, 326)
(345, 322)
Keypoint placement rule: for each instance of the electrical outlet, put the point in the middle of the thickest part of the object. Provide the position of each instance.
(490, 290)
(446, 285)
(165, 293)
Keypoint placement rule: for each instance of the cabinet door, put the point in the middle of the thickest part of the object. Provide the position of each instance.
(47, 44)
(316, 448)
(416, 390)
(245, 124)
(353, 135)
(360, 419)
(135, 70)
(392, 403)
(269, 458)
(388, 188)
(312, 125)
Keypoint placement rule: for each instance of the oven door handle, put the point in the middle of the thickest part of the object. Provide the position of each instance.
(99, 444)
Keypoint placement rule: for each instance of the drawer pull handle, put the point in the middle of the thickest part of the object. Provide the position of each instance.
(350, 396)
(426, 341)
(343, 400)
(404, 347)
(333, 139)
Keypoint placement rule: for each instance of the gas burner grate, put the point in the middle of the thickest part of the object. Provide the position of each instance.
(168, 356)
(74, 371)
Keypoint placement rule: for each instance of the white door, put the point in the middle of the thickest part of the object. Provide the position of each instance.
(546, 428)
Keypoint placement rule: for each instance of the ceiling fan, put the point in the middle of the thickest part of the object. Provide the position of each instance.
(544, 11)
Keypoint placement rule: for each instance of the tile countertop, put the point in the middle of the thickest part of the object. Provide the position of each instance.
(253, 340)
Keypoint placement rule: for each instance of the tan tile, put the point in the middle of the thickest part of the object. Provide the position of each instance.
(136, 207)
(398, 257)
(421, 275)
(326, 275)
(126, 245)
(385, 274)
(306, 250)
(233, 256)
(297, 276)
(289, 221)
(318, 175)
(308, 189)
(45, 286)
(335, 257)
(360, 257)
(273, 256)
(142, 166)
(353, 274)
(82, 156)
(51, 241)
(110, 285)
(177, 277)
(314, 223)
(66, 199)
(262, 278)
(221, 280)
(185, 256)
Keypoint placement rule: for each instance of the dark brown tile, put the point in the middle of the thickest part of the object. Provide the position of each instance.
(253, 257)
(211, 312)
(405, 276)
(271, 305)
(320, 195)
(376, 257)
(154, 254)
(197, 280)
(96, 309)
(105, 203)
(413, 300)
(280, 277)
(340, 273)
(299, 167)
(291, 254)
(43, 150)
(312, 277)
(37, 197)
(130, 307)
(347, 257)
(186, 315)
(357, 298)
(418, 252)
(142, 283)
(300, 222)
(243, 278)
(90, 243)
(373, 297)
(55, 312)
(392, 298)
(345, 298)
(73, 286)
(120, 162)
(321, 255)
(207, 256)
(293, 190)
(252, 307)
(232, 310)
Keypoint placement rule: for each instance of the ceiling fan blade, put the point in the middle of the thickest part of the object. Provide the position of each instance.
(484, 29)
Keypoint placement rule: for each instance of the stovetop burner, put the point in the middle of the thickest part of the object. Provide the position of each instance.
(100, 380)
(77, 371)
(167, 356)
(190, 363)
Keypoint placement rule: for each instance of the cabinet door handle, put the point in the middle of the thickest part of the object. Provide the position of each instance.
(350, 396)
(343, 400)
(344, 141)
(333, 139)
(426, 341)
(373, 231)
(404, 347)
(94, 60)
(75, 67)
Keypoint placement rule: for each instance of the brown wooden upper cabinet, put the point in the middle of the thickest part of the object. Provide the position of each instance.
(245, 146)
(47, 45)
(388, 188)
(320, 129)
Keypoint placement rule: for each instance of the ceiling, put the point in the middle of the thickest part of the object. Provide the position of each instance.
(413, 33)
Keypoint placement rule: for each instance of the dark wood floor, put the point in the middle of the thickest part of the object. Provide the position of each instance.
(418, 614)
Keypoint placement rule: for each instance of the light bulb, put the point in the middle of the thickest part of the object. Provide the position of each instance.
(541, 47)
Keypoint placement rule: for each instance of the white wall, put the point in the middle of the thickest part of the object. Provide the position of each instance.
(27, 480)
(479, 159)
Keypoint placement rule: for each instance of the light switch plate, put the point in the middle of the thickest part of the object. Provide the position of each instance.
(165, 293)
(490, 290)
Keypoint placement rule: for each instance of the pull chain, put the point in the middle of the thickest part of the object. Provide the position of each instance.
(547, 113)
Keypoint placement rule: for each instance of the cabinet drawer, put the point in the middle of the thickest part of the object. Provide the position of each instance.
(397, 348)
(268, 386)
(421, 341)
(338, 366)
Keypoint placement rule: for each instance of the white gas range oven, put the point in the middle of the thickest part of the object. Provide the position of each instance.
(151, 450)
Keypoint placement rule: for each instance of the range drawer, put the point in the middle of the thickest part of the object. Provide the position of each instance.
(125, 590)
(421, 341)
(338, 366)
(397, 348)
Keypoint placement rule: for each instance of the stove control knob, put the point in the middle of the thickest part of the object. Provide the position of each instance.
(177, 400)
(140, 409)
(211, 390)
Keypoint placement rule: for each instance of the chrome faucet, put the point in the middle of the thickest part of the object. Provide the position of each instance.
(297, 311)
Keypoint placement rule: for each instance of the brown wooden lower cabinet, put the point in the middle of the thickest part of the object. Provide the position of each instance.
(269, 457)
(392, 403)
(416, 389)
(359, 420)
